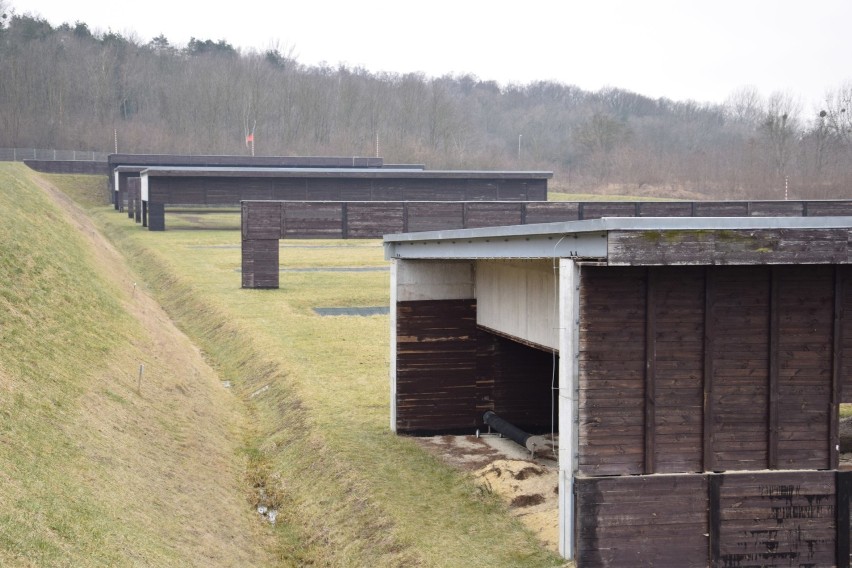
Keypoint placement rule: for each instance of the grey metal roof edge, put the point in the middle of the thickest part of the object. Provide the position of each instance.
(627, 224)
(340, 172)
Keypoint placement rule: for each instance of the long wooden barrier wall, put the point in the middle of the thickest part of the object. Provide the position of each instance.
(273, 220)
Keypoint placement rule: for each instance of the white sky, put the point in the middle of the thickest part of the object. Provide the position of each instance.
(679, 49)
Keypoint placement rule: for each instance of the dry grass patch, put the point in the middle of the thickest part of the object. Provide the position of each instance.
(94, 471)
(317, 387)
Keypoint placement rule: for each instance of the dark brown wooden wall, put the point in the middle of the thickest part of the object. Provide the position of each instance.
(436, 366)
(232, 190)
(719, 520)
(516, 381)
(690, 369)
(449, 372)
(134, 198)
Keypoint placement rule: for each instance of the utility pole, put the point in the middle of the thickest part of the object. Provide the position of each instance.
(519, 146)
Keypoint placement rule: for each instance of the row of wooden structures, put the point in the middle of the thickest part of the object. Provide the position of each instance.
(694, 355)
(147, 185)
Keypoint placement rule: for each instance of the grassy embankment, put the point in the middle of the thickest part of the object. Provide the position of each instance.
(94, 469)
(350, 493)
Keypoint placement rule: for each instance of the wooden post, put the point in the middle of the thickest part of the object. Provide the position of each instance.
(650, 371)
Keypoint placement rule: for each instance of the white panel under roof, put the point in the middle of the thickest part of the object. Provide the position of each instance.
(518, 298)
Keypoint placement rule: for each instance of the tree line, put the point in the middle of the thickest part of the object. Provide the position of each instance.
(67, 87)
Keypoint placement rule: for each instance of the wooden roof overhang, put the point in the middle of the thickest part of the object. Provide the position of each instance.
(646, 241)
(340, 173)
(116, 160)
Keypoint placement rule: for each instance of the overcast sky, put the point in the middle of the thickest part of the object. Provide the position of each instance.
(678, 49)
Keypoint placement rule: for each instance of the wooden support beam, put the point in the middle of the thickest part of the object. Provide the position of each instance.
(844, 493)
(836, 369)
(650, 371)
(708, 370)
(772, 390)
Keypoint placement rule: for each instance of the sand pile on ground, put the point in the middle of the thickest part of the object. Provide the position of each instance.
(531, 491)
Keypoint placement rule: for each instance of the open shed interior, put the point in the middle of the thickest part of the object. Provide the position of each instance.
(458, 358)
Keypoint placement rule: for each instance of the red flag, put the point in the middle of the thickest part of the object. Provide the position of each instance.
(249, 138)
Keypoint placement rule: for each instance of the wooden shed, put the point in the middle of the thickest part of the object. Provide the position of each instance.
(163, 186)
(124, 166)
(696, 364)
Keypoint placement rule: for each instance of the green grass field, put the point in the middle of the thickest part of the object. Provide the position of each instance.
(313, 393)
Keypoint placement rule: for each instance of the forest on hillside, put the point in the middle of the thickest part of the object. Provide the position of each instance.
(66, 87)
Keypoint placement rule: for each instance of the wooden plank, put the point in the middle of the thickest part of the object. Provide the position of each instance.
(844, 494)
(260, 263)
(485, 214)
(774, 307)
(709, 336)
(650, 371)
(836, 369)
(599, 209)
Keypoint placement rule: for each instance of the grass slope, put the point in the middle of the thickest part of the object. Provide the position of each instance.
(92, 471)
(350, 492)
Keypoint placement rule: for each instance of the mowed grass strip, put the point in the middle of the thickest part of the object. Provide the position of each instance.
(96, 470)
(353, 493)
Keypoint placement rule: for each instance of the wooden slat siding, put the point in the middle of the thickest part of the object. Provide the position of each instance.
(87, 167)
(156, 217)
(776, 208)
(139, 204)
(372, 220)
(134, 196)
(836, 366)
(844, 527)
(780, 246)
(739, 348)
(642, 521)
(777, 519)
(709, 439)
(845, 333)
(261, 220)
(436, 366)
(828, 208)
(481, 190)
(805, 314)
(536, 190)
(678, 369)
(650, 371)
(551, 212)
(774, 361)
(260, 263)
(330, 189)
(424, 216)
(720, 209)
(515, 381)
(313, 221)
(665, 209)
(512, 190)
(483, 214)
(612, 370)
(599, 209)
